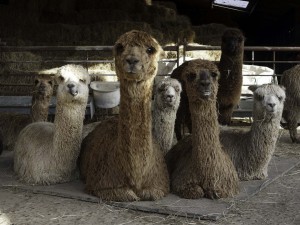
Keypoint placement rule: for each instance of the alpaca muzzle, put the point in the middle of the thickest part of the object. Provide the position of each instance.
(72, 89)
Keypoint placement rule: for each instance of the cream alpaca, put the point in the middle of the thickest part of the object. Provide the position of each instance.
(251, 151)
(46, 153)
(165, 105)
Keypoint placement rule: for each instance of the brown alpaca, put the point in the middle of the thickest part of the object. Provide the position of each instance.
(291, 113)
(119, 159)
(12, 123)
(41, 97)
(231, 79)
(197, 164)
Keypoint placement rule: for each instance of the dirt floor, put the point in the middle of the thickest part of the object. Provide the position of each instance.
(278, 203)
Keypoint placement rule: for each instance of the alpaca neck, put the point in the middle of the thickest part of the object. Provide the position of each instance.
(163, 126)
(205, 129)
(229, 64)
(135, 123)
(39, 108)
(264, 134)
(68, 125)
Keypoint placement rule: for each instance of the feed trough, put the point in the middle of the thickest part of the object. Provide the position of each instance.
(106, 94)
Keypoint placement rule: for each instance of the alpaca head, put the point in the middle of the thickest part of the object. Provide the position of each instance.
(43, 86)
(268, 101)
(136, 56)
(232, 41)
(167, 93)
(200, 78)
(73, 81)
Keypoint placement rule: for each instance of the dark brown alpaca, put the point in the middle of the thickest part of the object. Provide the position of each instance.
(197, 164)
(183, 115)
(231, 78)
(120, 160)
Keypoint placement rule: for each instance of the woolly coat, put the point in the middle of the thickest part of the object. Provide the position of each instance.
(291, 81)
(132, 167)
(46, 153)
(251, 151)
(231, 78)
(165, 106)
(197, 164)
(12, 123)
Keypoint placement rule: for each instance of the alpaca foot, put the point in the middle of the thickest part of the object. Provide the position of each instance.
(191, 191)
(151, 194)
(117, 195)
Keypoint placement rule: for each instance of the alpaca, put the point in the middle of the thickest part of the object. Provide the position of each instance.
(12, 123)
(251, 151)
(41, 98)
(291, 113)
(46, 153)
(165, 105)
(183, 115)
(120, 160)
(231, 79)
(197, 164)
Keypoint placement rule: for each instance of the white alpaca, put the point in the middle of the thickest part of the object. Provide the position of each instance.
(46, 153)
(251, 151)
(165, 105)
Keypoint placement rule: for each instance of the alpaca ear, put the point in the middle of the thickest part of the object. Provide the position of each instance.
(252, 87)
(282, 87)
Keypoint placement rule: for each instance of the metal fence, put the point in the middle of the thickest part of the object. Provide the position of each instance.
(276, 58)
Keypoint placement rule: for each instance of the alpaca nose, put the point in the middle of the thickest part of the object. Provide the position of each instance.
(271, 105)
(71, 86)
(72, 89)
(205, 83)
(170, 97)
(132, 61)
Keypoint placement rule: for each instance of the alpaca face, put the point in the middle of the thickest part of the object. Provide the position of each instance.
(168, 93)
(43, 86)
(136, 56)
(269, 100)
(232, 41)
(73, 85)
(201, 82)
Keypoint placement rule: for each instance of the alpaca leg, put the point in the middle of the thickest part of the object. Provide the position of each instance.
(117, 194)
(151, 194)
(292, 125)
(189, 191)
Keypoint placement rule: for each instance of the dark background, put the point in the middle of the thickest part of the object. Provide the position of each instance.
(272, 22)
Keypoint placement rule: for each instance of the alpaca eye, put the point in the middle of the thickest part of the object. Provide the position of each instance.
(150, 50)
(177, 89)
(50, 82)
(119, 48)
(82, 80)
(36, 82)
(214, 74)
(280, 98)
(61, 78)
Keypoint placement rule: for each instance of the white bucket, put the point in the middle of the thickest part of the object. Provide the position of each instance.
(106, 94)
